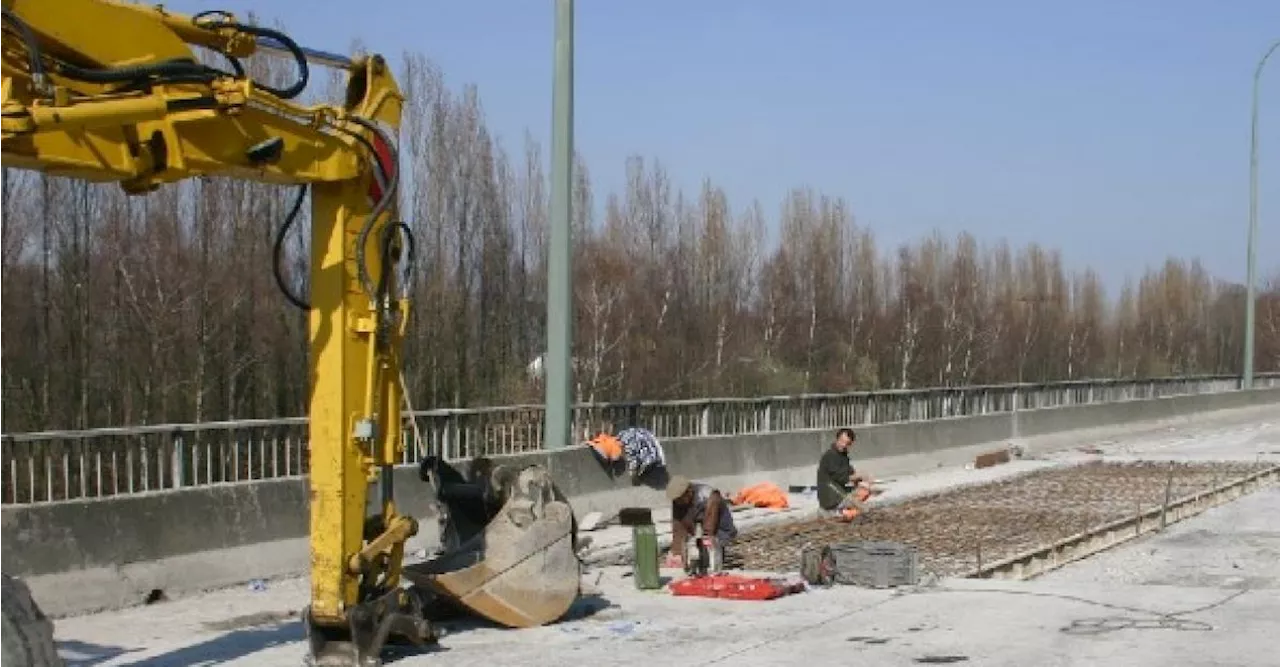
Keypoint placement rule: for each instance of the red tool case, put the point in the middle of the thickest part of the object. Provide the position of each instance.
(735, 587)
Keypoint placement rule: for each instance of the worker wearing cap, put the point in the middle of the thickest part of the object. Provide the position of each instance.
(694, 504)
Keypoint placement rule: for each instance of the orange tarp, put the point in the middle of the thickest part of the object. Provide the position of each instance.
(764, 494)
(607, 446)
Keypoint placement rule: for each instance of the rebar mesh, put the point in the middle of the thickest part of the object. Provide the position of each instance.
(956, 531)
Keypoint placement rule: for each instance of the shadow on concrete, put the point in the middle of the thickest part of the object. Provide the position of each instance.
(663, 579)
(231, 646)
(84, 654)
(242, 643)
(584, 607)
(656, 477)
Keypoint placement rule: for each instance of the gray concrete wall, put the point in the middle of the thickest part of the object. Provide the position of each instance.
(81, 556)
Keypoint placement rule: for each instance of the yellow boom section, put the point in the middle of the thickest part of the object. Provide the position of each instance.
(113, 92)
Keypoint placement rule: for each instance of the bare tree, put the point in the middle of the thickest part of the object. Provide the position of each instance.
(126, 310)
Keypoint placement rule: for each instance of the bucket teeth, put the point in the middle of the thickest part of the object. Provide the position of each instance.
(396, 617)
(520, 569)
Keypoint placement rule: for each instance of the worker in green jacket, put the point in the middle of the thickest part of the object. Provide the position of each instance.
(837, 478)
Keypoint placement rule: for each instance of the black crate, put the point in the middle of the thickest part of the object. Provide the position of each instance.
(635, 516)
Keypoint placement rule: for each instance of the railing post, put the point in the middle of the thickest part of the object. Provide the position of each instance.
(9, 450)
(704, 426)
(633, 414)
(448, 437)
(1015, 426)
(179, 460)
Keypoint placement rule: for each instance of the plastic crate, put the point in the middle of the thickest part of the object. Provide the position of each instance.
(876, 564)
(817, 566)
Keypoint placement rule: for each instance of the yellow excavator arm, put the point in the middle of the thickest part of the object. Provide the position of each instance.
(113, 92)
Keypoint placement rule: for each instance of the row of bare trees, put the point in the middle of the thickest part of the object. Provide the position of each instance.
(125, 310)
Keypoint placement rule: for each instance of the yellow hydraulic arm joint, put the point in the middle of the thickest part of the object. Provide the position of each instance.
(114, 92)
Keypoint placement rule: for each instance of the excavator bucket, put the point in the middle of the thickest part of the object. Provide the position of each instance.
(519, 568)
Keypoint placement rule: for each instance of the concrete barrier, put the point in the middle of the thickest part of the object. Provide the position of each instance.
(83, 556)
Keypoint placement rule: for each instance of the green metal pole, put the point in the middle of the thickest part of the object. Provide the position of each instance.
(1246, 381)
(559, 253)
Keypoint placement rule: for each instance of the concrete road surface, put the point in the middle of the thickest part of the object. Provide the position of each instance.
(1205, 592)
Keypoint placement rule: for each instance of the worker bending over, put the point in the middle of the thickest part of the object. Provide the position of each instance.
(695, 504)
(638, 447)
(841, 490)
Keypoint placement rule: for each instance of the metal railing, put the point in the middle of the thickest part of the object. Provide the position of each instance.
(66, 465)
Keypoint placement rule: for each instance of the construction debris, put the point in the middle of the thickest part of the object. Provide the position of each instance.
(590, 521)
(988, 459)
(956, 531)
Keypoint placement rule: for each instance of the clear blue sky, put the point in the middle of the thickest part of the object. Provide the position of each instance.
(1116, 130)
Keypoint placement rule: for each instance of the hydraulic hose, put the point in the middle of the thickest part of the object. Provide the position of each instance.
(33, 47)
(184, 68)
(390, 184)
(388, 196)
(388, 235)
(278, 249)
(379, 173)
(299, 58)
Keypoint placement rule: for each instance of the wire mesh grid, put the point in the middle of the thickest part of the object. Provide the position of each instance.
(956, 531)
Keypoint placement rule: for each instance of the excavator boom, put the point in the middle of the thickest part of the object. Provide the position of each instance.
(109, 91)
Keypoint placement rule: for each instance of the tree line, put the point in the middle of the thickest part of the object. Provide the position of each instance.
(129, 310)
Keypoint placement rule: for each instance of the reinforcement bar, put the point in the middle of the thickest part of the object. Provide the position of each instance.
(1035, 562)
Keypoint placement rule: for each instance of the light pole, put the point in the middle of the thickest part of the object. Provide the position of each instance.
(1246, 380)
(560, 246)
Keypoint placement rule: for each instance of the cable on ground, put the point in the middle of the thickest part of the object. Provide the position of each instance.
(1092, 626)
